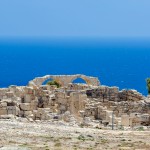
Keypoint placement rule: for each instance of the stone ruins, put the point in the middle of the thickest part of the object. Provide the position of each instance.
(77, 104)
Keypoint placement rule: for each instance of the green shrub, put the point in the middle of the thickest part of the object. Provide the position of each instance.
(53, 83)
(140, 129)
(148, 84)
(81, 137)
(57, 144)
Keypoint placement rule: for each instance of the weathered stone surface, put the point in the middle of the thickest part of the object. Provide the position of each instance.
(27, 113)
(3, 111)
(7, 117)
(11, 110)
(3, 104)
(27, 98)
(82, 101)
(34, 104)
(25, 106)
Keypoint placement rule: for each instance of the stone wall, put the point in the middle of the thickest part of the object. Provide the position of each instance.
(113, 94)
(74, 102)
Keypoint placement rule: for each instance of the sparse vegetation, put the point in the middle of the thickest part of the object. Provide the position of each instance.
(104, 141)
(46, 148)
(127, 144)
(148, 85)
(57, 144)
(54, 83)
(81, 137)
(46, 137)
(123, 139)
(81, 125)
(140, 129)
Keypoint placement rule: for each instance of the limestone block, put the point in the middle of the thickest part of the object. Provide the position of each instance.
(61, 95)
(25, 106)
(35, 112)
(3, 104)
(27, 98)
(125, 120)
(18, 99)
(4, 97)
(21, 113)
(44, 98)
(135, 99)
(38, 115)
(93, 113)
(34, 104)
(17, 111)
(87, 121)
(31, 117)
(43, 117)
(40, 110)
(49, 116)
(109, 116)
(6, 116)
(11, 110)
(33, 107)
(47, 110)
(62, 101)
(12, 88)
(3, 111)
(9, 94)
(29, 90)
(62, 107)
(27, 113)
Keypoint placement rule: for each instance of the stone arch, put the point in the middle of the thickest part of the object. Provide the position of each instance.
(79, 80)
(47, 80)
(64, 80)
(84, 78)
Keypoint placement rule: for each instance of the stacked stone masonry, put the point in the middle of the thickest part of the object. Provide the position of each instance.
(75, 102)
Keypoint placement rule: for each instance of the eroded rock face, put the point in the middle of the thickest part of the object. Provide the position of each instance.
(74, 103)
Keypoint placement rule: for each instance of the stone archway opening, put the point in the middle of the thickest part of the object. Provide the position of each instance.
(79, 80)
(47, 81)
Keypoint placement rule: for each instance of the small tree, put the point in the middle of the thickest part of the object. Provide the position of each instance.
(54, 83)
(148, 85)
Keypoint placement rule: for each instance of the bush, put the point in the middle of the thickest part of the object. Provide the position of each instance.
(148, 84)
(81, 137)
(54, 83)
(140, 129)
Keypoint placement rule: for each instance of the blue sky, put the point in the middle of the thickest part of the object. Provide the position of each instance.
(75, 18)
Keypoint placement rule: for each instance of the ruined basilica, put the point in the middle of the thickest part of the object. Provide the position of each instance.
(75, 103)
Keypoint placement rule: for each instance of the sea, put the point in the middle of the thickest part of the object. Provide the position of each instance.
(122, 62)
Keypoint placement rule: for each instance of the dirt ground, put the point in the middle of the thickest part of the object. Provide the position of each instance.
(57, 136)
